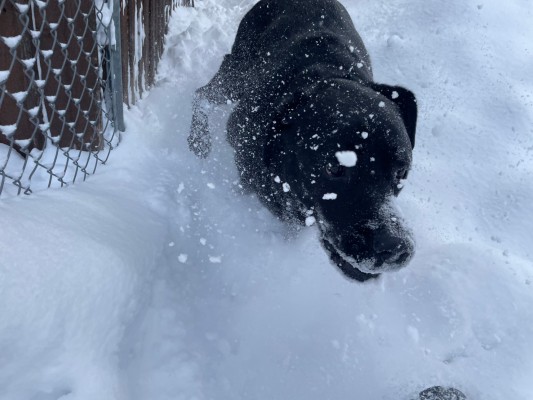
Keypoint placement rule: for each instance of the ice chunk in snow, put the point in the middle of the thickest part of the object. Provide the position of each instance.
(215, 259)
(182, 258)
(310, 220)
(211, 185)
(329, 196)
(347, 158)
(286, 187)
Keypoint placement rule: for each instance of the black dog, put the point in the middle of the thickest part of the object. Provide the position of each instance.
(314, 136)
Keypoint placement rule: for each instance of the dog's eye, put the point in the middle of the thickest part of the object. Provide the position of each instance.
(336, 170)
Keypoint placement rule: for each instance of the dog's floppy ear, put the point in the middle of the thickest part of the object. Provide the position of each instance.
(406, 102)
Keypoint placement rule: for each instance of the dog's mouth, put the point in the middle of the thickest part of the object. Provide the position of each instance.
(365, 266)
(348, 265)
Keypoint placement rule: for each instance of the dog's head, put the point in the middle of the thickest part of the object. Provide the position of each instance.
(352, 147)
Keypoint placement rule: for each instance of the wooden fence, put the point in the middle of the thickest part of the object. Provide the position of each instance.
(144, 24)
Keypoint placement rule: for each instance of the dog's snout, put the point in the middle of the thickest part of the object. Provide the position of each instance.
(390, 248)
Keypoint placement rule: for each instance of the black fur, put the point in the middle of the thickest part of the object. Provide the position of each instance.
(302, 83)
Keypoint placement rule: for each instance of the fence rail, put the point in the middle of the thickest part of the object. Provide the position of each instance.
(65, 69)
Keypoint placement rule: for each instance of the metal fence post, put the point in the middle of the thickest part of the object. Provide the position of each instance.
(116, 70)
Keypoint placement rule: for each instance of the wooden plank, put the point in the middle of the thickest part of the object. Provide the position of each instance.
(150, 17)
(125, 49)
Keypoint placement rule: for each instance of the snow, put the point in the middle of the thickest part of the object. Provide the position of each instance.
(8, 130)
(329, 196)
(19, 96)
(95, 304)
(346, 158)
(23, 8)
(4, 75)
(47, 54)
(105, 25)
(11, 41)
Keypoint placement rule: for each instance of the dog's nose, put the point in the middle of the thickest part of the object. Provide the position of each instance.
(391, 248)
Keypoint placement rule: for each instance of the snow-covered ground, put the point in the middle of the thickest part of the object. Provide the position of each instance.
(155, 280)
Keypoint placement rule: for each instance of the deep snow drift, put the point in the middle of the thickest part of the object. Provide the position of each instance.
(157, 280)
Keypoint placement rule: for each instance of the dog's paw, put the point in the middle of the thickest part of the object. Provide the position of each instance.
(199, 139)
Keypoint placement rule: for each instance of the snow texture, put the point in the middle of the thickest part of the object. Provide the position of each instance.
(95, 304)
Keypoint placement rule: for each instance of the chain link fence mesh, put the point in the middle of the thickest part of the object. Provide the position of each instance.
(63, 79)
(56, 112)
(55, 126)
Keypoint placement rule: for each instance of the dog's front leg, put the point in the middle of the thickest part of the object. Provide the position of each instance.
(223, 88)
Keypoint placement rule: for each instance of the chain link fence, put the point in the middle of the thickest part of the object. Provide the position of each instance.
(58, 105)
(62, 76)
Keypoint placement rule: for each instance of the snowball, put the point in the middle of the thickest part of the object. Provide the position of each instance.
(329, 196)
(215, 259)
(286, 187)
(381, 104)
(346, 158)
(277, 179)
(211, 185)
(310, 221)
(364, 135)
(182, 258)
(395, 94)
